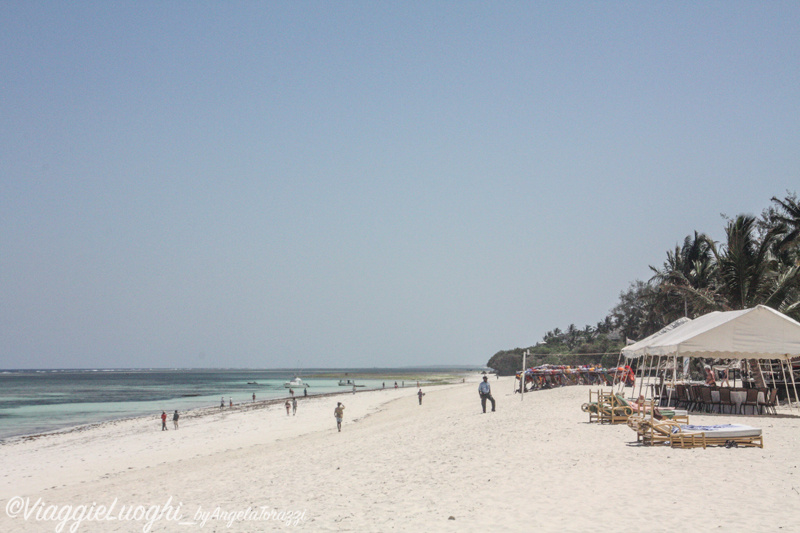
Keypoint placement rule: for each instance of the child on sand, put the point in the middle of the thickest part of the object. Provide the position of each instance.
(339, 414)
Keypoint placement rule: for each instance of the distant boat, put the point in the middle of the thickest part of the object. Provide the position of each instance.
(252, 383)
(349, 383)
(296, 383)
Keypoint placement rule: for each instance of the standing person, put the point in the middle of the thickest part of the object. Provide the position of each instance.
(305, 392)
(230, 399)
(395, 384)
(485, 391)
(222, 402)
(163, 421)
(725, 376)
(288, 405)
(254, 396)
(175, 418)
(294, 406)
(420, 394)
(339, 414)
(710, 380)
(354, 388)
(291, 393)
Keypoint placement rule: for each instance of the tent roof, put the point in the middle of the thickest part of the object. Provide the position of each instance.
(757, 333)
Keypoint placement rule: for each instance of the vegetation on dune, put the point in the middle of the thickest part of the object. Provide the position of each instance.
(758, 263)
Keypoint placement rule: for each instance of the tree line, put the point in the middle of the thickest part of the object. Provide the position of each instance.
(758, 262)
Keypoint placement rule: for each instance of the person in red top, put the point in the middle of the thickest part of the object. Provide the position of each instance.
(163, 421)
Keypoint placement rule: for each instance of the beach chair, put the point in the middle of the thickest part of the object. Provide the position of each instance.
(591, 406)
(614, 410)
(668, 432)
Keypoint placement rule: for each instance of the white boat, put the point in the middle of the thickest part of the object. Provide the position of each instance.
(296, 383)
(349, 383)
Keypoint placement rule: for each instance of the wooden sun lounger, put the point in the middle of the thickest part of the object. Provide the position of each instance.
(607, 408)
(668, 432)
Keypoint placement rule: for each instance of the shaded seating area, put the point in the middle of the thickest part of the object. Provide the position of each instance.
(759, 334)
(728, 400)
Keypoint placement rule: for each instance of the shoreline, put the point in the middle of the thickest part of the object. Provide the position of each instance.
(197, 412)
(425, 377)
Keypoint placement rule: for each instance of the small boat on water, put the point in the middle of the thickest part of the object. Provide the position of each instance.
(296, 383)
(348, 383)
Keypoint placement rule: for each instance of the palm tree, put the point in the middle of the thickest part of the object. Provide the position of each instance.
(748, 271)
(788, 214)
(683, 284)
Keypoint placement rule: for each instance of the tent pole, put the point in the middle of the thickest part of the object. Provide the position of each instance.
(785, 384)
(761, 372)
(674, 379)
(658, 378)
(791, 374)
(640, 377)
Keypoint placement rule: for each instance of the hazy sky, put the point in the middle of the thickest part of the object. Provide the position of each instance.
(305, 184)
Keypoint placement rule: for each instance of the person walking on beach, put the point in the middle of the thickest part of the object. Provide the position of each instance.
(163, 421)
(294, 406)
(288, 405)
(420, 394)
(339, 414)
(485, 391)
(222, 402)
(175, 418)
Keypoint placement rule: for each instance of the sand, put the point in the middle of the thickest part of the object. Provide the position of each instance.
(534, 465)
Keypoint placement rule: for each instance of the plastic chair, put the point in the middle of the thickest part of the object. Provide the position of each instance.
(681, 397)
(751, 400)
(705, 394)
(694, 397)
(725, 398)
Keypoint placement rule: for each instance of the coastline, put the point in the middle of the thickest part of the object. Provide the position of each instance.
(425, 377)
(534, 464)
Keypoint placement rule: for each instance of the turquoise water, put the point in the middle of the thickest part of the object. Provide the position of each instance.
(37, 401)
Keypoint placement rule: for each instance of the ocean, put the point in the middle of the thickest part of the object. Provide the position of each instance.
(39, 401)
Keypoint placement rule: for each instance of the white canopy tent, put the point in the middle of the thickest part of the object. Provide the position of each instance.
(758, 333)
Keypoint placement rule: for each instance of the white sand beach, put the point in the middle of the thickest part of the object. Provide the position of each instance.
(534, 465)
